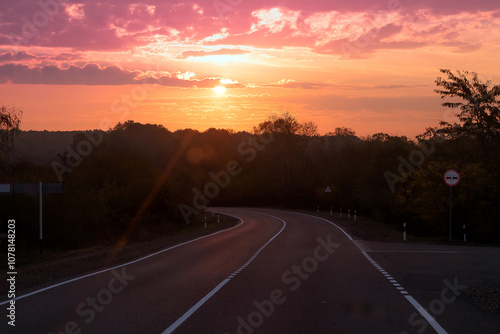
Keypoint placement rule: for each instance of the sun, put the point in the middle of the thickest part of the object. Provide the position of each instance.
(219, 89)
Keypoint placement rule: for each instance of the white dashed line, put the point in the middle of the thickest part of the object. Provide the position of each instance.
(412, 300)
(415, 304)
(202, 301)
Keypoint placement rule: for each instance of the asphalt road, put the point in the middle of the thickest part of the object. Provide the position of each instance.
(276, 272)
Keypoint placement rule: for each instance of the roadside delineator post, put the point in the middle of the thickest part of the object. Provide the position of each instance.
(404, 231)
(218, 217)
(205, 222)
(354, 215)
(465, 239)
(331, 211)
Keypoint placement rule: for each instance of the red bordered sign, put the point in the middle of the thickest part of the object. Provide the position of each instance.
(451, 177)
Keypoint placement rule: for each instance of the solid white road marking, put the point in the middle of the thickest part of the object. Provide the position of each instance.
(196, 306)
(422, 251)
(326, 220)
(419, 308)
(121, 265)
(202, 301)
(426, 315)
(412, 300)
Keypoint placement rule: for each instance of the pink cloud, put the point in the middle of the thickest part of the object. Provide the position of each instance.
(360, 35)
(265, 39)
(365, 44)
(122, 25)
(202, 53)
(99, 26)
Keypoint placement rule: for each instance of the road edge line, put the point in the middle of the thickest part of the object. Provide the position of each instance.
(326, 220)
(121, 265)
(202, 301)
(430, 320)
(437, 327)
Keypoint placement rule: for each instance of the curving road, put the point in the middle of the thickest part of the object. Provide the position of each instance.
(275, 272)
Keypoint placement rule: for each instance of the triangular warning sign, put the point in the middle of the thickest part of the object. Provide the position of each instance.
(328, 190)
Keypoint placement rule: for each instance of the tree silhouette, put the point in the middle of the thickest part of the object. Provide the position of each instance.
(342, 132)
(10, 121)
(479, 105)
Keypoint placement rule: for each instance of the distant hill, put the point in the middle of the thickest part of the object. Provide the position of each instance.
(41, 147)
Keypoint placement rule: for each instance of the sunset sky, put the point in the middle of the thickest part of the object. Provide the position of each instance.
(365, 64)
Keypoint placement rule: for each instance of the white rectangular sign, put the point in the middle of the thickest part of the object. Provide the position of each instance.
(5, 188)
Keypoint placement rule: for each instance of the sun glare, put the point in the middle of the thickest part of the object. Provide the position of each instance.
(219, 89)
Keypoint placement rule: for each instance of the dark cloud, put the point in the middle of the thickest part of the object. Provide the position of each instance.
(15, 56)
(92, 75)
(294, 84)
(316, 85)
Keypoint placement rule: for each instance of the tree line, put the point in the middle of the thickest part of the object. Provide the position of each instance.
(143, 180)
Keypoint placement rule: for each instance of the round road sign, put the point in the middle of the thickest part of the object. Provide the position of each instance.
(451, 177)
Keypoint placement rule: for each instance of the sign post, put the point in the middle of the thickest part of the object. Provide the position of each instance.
(451, 178)
(33, 189)
(327, 192)
(41, 219)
